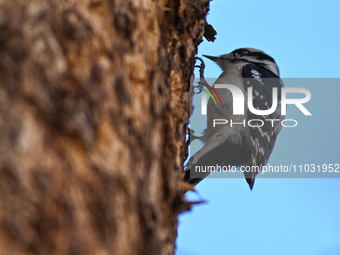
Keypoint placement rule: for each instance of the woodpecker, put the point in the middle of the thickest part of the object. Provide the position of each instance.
(240, 145)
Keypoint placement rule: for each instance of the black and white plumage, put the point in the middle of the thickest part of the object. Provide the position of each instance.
(239, 145)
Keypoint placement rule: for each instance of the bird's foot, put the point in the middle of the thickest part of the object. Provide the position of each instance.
(202, 81)
(191, 136)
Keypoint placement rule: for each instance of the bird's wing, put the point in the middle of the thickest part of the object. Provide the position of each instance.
(263, 138)
(218, 151)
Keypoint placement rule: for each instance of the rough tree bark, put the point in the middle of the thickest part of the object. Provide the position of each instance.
(94, 103)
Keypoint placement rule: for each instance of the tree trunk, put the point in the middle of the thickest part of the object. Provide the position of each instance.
(94, 103)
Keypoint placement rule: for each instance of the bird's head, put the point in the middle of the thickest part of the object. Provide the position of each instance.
(246, 55)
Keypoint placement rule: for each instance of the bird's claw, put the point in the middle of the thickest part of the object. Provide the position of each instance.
(202, 80)
(192, 136)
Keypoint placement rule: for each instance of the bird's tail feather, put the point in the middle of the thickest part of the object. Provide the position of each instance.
(212, 155)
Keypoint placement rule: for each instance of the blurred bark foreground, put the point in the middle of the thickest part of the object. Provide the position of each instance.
(94, 103)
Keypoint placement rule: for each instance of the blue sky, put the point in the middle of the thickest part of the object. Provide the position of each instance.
(280, 216)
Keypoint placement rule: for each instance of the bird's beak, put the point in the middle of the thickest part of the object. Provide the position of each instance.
(211, 58)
